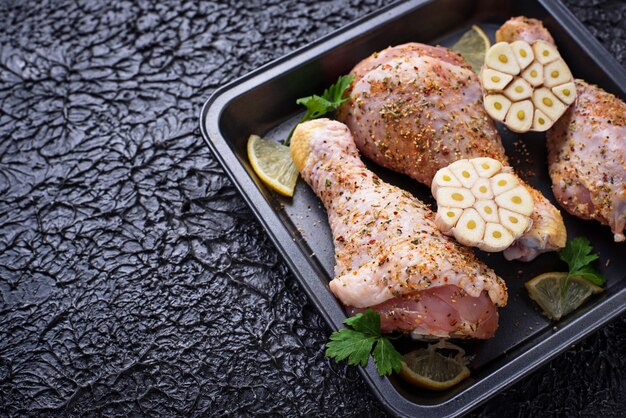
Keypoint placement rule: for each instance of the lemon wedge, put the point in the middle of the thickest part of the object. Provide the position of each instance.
(429, 369)
(272, 162)
(473, 46)
(546, 290)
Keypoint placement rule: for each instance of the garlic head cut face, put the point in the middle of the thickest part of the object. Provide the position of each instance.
(481, 203)
(527, 87)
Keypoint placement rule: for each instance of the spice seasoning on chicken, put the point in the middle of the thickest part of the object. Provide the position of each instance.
(391, 252)
(593, 131)
(429, 115)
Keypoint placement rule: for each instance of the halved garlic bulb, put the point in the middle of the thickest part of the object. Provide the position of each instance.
(527, 87)
(481, 203)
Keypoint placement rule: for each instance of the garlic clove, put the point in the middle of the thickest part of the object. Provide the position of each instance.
(485, 166)
(496, 238)
(523, 53)
(517, 200)
(464, 172)
(500, 57)
(555, 73)
(548, 103)
(541, 122)
(482, 189)
(513, 221)
(447, 217)
(488, 210)
(444, 178)
(470, 228)
(565, 92)
(494, 80)
(502, 182)
(545, 52)
(534, 74)
(520, 116)
(518, 90)
(455, 197)
(497, 106)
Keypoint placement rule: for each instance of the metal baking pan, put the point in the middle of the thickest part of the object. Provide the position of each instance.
(263, 102)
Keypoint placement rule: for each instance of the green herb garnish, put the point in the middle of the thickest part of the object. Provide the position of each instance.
(357, 343)
(578, 254)
(328, 102)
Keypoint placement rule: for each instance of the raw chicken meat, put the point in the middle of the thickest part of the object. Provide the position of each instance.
(389, 254)
(586, 147)
(521, 28)
(417, 108)
(587, 157)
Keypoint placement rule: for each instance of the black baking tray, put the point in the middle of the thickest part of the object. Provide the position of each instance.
(263, 102)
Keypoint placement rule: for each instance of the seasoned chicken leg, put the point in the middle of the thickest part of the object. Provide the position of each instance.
(389, 254)
(416, 108)
(586, 147)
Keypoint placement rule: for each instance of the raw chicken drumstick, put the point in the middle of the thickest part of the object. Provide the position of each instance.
(417, 108)
(521, 28)
(586, 147)
(389, 254)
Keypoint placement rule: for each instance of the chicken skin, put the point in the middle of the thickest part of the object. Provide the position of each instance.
(586, 147)
(389, 254)
(521, 28)
(416, 108)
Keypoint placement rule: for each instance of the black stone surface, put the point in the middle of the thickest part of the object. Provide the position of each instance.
(133, 278)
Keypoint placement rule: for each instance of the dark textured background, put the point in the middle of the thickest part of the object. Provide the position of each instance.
(133, 279)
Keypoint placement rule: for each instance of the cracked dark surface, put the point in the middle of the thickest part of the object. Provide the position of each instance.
(133, 278)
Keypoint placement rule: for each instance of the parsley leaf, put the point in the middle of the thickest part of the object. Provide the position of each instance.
(578, 254)
(353, 345)
(328, 102)
(386, 358)
(590, 274)
(335, 92)
(356, 344)
(368, 323)
(316, 106)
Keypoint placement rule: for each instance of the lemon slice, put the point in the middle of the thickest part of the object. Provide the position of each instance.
(272, 162)
(546, 290)
(429, 369)
(473, 46)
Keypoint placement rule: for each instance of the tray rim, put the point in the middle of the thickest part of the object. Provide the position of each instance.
(320, 295)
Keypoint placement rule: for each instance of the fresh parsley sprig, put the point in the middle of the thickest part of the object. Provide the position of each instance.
(357, 343)
(328, 102)
(578, 254)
